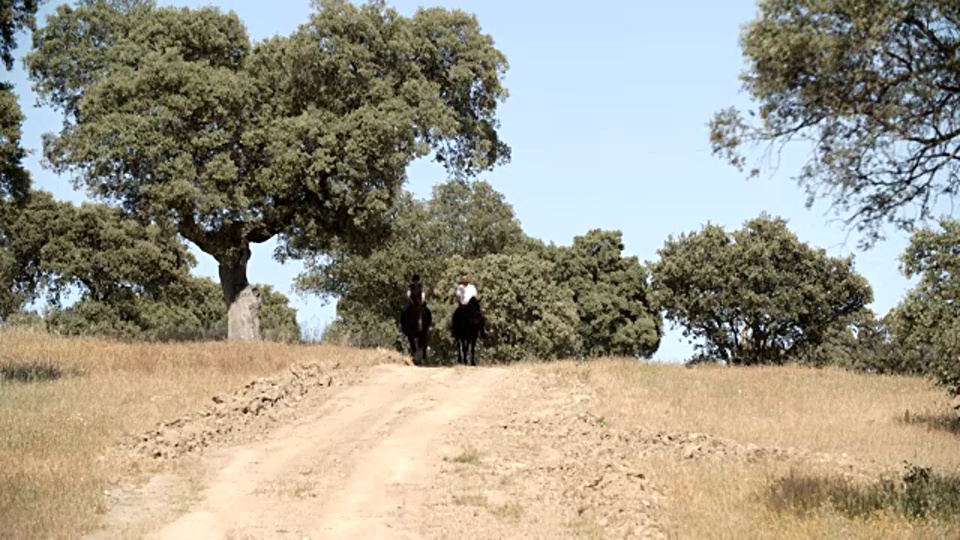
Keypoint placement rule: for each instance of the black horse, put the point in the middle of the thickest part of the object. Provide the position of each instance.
(415, 324)
(466, 326)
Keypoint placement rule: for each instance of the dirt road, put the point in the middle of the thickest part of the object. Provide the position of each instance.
(413, 453)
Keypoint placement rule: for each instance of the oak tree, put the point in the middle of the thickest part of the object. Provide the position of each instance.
(617, 316)
(175, 114)
(925, 325)
(762, 278)
(872, 85)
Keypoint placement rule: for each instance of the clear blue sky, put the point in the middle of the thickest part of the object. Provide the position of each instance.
(607, 121)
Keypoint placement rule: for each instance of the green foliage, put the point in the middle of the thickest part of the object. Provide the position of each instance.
(364, 329)
(15, 16)
(174, 114)
(370, 286)
(925, 326)
(868, 81)
(787, 294)
(191, 310)
(471, 219)
(24, 320)
(858, 342)
(132, 279)
(24, 231)
(616, 314)
(14, 179)
(53, 247)
(462, 218)
(107, 255)
(278, 321)
(528, 314)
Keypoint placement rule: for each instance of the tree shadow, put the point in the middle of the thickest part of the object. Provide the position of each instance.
(947, 421)
(31, 371)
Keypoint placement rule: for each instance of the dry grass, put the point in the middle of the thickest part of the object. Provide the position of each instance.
(585, 527)
(470, 499)
(55, 430)
(469, 456)
(508, 511)
(826, 410)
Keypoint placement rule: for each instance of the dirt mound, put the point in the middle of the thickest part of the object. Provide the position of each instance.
(250, 410)
(554, 449)
(700, 446)
(550, 454)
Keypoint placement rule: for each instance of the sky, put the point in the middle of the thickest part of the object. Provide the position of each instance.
(607, 119)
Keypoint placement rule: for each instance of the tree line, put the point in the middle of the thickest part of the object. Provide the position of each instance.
(185, 130)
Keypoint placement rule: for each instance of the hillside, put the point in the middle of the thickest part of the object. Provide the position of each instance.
(298, 441)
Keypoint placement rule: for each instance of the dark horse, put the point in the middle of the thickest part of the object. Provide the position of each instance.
(415, 324)
(467, 326)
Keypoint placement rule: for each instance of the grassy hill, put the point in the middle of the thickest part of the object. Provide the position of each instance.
(782, 452)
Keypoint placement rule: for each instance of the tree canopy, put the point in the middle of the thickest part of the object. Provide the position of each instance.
(763, 278)
(174, 114)
(528, 313)
(872, 85)
(462, 218)
(51, 248)
(925, 325)
(15, 16)
(610, 291)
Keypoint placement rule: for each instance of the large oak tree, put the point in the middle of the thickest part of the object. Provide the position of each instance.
(872, 85)
(762, 278)
(174, 114)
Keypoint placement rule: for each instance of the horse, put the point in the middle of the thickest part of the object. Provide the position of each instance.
(466, 326)
(415, 324)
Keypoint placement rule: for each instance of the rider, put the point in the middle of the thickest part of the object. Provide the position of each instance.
(413, 290)
(465, 291)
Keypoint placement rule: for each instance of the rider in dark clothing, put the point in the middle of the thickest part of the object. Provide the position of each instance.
(414, 290)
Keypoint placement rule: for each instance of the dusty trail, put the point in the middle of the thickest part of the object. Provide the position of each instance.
(361, 460)
(410, 453)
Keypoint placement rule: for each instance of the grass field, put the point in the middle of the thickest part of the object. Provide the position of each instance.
(55, 431)
(890, 420)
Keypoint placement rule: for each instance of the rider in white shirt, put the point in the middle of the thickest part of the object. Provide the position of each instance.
(465, 291)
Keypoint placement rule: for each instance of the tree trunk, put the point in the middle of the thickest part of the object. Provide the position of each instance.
(242, 300)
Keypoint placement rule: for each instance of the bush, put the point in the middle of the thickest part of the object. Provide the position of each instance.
(919, 494)
(616, 314)
(528, 314)
(194, 312)
(365, 330)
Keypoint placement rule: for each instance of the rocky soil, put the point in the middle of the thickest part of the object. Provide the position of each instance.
(396, 451)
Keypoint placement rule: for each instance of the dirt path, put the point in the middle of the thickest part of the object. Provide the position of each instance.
(417, 453)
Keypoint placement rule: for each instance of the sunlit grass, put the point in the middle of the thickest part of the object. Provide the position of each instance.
(64, 402)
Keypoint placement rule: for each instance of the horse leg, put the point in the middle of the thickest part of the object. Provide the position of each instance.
(473, 352)
(424, 342)
(413, 348)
